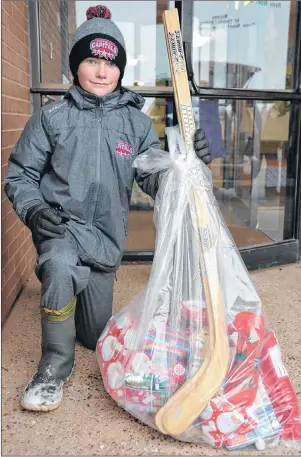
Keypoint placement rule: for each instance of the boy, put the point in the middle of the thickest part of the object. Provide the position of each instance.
(70, 178)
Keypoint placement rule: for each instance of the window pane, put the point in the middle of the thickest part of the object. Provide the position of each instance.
(140, 23)
(57, 24)
(249, 143)
(244, 44)
(141, 233)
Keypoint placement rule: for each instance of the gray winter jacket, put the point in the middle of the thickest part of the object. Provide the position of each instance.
(77, 154)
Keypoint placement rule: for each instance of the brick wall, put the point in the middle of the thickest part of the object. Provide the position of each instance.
(58, 25)
(71, 27)
(56, 28)
(71, 20)
(51, 41)
(18, 255)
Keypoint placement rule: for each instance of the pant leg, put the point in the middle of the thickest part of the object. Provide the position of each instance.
(59, 271)
(94, 307)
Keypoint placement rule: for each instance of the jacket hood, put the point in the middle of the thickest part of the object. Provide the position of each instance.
(85, 100)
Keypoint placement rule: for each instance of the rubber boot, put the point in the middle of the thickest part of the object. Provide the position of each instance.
(44, 392)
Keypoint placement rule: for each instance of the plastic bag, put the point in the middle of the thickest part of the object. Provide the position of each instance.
(199, 319)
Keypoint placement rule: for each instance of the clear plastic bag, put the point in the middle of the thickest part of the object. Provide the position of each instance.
(191, 355)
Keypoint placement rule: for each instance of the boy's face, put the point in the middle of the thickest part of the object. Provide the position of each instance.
(98, 76)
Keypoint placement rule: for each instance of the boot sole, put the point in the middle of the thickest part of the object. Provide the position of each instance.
(45, 408)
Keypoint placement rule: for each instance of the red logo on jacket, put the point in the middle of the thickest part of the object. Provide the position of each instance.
(124, 149)
(104, 48)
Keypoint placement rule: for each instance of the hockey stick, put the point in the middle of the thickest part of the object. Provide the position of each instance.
(193, 396)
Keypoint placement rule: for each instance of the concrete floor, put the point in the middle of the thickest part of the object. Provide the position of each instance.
(89, 422)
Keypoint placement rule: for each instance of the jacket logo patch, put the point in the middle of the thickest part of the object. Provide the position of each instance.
(124, 149)
(101, 47)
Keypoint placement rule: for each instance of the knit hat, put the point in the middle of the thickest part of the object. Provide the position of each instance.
(98, 37)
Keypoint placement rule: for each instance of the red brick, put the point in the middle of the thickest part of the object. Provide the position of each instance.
(10, 286)
(21, 236)
(14, 135)
(5, 17)
(20, 7)
(18, 251)
(11, 235)
(23, 248)
(4, 258)
(7, 6)
(30, 264)
(10, 105)
(6, 207)
(8, 271)
(14, 121)
(19, 225)
(25, 266)
(5, 153)
(10, 138)
(8, 221)
(20, 266)
(19, 46)
(50, 32)
(7, 239)
(4, 139)
(3, 171)
(13, 249)
(13, 73)
(3, 194)
(49, 26)
(5, 307)
(19, 241)
(9, 55)
(15, 90)
(50, 14)
(17, 30)
(17, 246)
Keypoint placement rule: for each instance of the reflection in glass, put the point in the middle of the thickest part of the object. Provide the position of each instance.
(249, 145)
(244, 44)
(233, 46)
(140, 23)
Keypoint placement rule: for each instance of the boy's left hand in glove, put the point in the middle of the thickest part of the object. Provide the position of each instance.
(201, 146)
(46, 222)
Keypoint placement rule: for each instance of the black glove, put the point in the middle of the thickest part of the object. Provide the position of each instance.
(201, 146)
(46, 222)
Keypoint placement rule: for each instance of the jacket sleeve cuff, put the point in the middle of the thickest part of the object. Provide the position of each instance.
(27, 210)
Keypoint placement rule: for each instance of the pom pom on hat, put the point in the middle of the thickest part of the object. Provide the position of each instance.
(99, 21)
(98, 11)
(98, 37)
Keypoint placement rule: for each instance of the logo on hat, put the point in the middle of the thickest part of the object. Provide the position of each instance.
(101, 47)
(124, 149)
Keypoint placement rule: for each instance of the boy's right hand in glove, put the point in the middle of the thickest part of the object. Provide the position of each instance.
(46, 222)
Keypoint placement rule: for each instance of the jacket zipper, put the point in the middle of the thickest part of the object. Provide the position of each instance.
(98, 159)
